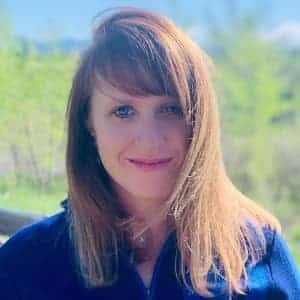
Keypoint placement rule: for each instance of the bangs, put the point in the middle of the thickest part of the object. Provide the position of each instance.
(133, 61)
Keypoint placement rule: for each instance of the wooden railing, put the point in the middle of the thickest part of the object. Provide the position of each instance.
(11, 221)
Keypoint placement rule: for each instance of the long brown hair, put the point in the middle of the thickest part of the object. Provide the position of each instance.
(142, 53)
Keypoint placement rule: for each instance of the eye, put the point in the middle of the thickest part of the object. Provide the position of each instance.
(172, 109)
(123, 112)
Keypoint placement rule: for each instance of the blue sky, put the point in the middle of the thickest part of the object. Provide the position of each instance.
(34, 18)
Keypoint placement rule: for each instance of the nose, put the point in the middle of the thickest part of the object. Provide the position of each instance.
(151, 136)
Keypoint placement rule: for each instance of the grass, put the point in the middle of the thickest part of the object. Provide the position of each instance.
(30, 197)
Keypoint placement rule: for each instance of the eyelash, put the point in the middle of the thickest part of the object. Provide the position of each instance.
(178, 110)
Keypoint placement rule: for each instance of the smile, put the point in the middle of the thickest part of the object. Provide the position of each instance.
(150, 164)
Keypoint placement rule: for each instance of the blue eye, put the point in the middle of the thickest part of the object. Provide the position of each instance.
(123, 112)
(172, 109)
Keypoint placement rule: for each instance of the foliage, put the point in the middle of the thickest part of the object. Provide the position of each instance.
(260, 119)
(34, 89)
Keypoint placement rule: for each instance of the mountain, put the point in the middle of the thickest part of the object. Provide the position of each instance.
(286, 35)
(65, 45)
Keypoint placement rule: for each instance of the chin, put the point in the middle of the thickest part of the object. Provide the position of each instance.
(156, 193)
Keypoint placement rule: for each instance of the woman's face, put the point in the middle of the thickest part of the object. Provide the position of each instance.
(141, 142)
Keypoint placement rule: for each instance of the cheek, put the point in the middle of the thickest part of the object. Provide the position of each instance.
(179, 137)
(110, 140)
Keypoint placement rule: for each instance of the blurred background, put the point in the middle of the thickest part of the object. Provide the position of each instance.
(256, 49)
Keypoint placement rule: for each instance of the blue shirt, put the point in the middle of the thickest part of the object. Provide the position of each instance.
(36, 264)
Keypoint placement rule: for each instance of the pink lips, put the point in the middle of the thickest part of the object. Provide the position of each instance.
(154, 164)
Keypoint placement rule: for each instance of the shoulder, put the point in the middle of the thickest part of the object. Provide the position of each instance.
(282, 267)
(276, 274)
(278, 251)
(32, 251)
(34, 237)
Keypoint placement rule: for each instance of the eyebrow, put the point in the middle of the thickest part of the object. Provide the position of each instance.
(125, 100)
(134, 99)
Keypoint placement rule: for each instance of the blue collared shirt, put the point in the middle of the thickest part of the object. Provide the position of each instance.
(36, 264)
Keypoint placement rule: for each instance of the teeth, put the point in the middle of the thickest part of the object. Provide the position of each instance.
(150, 163)
(153, 163)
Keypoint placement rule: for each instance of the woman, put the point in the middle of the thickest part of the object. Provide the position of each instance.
(151, 213)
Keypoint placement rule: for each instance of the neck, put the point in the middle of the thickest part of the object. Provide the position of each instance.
(143, 210)
(144, 224)
(148, 224)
